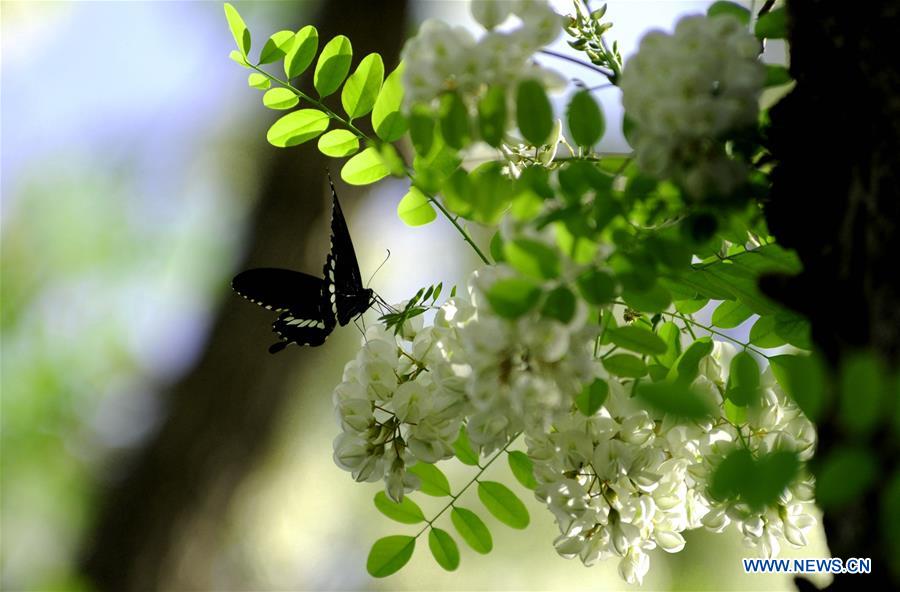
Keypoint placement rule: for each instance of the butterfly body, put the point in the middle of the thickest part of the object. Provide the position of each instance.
(311, 307)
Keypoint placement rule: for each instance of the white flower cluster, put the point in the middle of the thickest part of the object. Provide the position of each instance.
(686, 92)
(399, 403)
(442, 58)
(626, 481)
(524, 373)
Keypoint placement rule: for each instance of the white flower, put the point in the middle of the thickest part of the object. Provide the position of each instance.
(686, 92)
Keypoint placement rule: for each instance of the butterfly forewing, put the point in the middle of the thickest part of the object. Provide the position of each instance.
(344, 289)
(279, 289)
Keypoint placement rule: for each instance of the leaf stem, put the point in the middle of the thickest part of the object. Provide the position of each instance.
(461, 230)
(453, 498)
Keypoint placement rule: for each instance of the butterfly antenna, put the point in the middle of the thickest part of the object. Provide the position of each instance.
(379, 267)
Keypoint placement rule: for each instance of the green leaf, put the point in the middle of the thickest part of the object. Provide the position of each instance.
(443, 548)
(238, 58)
(389, 554)
(730, 314)
(772, 475)
(732, 474)
(637, 339)
(762, 333)
(803, 379)
(434, 482)
(276, 47)
(333, 65)
(387, 116)
(453, 118)
(625, 365)
(496, 247)
(280, 99)
(522, 468)
(338, 143)
(513, 297)
(534, 114)
(301, 54)
(406, 511)
(845, 475)
(363, 86)
(794, 329)
(238, 29)
(297, 127)
(503, 504)
(463, 449)
(655, 299)
(560, 304)
(472, 530)
(690, 306)
(772, 25)
(492, 116)
(592, 397)
(743, 380)
(729, 8)
(863, 388)
(586, 124)
(777, 75)
(365, 168)
(421, 129)
(415, 209)
(532, 258)
(688, 365)
(597, 287)
(674, 398)
(671, 335)
(258, 81)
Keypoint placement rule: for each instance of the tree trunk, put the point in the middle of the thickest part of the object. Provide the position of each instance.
(222, 415)
(836, 199)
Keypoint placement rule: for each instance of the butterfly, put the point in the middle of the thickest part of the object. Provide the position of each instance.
(310, 307)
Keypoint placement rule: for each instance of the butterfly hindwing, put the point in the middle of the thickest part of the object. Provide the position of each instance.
(344, 289)
(305, 318)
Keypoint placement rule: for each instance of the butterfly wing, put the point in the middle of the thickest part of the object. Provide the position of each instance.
(278, 289)
(305, 318)
(343, 283)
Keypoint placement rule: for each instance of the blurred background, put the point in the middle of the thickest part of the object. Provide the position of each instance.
(148, 439)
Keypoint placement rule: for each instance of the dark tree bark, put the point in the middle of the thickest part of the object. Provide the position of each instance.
(836, 200)
(222, 415)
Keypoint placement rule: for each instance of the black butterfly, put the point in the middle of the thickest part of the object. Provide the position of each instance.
(310, 307)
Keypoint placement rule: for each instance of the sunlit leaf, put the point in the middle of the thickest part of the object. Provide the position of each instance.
(762, 333)
(362, 87)
(415, 209)
(302, 53)
(730, 314)
(258, 81)
(238, 29)
(655, 299)
(387, 116)
(674, 398)
(389, 554)
(421, 129)
(276, 47)
(280, 99)
(365, 168)
(338, 143)
(297, 127)
(333, 65)
(687, 367)
(722, 7)
(670, 333)
(772, 25)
